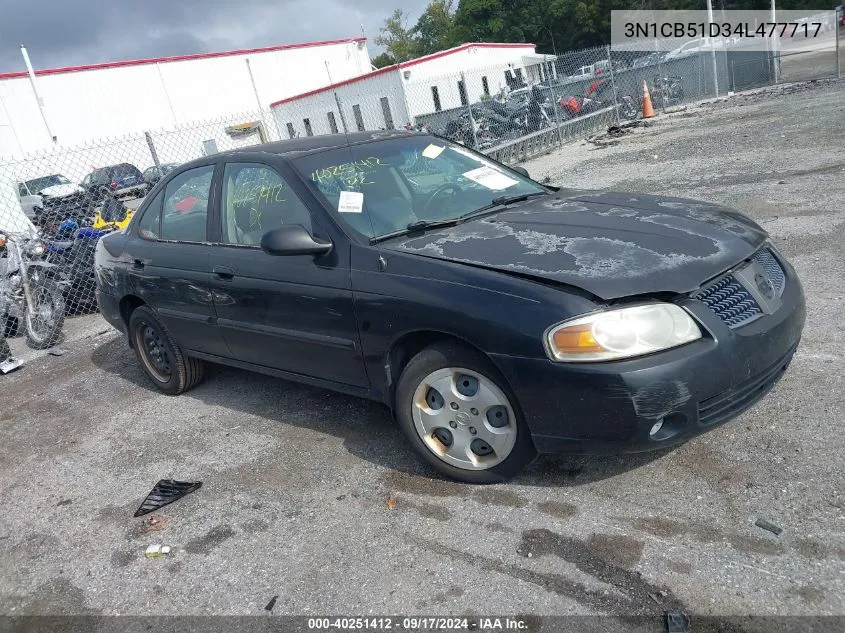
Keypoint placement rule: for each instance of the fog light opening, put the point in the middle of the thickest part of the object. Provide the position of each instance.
(655, 429)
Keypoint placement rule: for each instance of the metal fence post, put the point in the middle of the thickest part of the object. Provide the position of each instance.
(340, 112)
(152, 147)
(469, 110)
(836, 33)
(557, 115)
(613, 85)
(733, 78)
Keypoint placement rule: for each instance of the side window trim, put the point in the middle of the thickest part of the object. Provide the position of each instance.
(156, 201)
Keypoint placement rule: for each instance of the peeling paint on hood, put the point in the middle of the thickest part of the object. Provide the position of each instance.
(610, 244)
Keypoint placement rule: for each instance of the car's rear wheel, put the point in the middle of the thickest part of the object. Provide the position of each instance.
(160, 356)
(460, 415)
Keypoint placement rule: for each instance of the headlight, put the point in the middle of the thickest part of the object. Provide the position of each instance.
(621, 333)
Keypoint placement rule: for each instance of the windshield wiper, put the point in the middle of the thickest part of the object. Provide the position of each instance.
(502, 201)
(419, 226)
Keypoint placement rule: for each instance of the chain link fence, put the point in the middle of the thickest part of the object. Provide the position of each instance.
(55, 205)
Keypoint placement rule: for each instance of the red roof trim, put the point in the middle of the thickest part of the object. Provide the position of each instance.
(408, 64)
(179, 58)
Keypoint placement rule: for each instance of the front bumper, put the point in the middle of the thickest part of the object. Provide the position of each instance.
(612, 407)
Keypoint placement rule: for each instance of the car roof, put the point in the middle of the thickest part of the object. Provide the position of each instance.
(314, 144)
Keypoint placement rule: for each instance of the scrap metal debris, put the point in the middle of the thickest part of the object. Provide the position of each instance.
(271, 604)
(614, 132)
(771, 527)
(56, 351)
(7, 361)
(164, 492)
(677, 621)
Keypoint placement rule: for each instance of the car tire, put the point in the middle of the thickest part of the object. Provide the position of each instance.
(458, 448)
(169, 369)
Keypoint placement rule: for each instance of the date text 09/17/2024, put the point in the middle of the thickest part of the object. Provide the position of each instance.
(418, 624)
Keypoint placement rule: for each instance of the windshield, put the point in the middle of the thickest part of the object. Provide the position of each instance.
(382, 187)
(37, 184)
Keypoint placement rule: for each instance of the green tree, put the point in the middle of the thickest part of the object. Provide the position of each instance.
(382, 60)
(397, 39)
(435, 30)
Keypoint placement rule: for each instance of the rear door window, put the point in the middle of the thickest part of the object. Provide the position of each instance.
(185, 210)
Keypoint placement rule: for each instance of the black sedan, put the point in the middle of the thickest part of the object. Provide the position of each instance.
(496, 316)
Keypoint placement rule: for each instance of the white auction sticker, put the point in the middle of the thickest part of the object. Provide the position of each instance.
(490, 178)
(350, 202)
(433, 151)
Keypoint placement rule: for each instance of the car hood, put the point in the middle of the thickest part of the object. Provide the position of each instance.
(610, 244)
(59, 191)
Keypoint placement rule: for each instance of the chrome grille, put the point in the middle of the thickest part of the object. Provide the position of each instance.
(774, 272)
(730, 301)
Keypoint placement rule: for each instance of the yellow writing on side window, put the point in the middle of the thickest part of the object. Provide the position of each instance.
(258, 193)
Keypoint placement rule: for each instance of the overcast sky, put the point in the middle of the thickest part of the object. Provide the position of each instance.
(73, 32)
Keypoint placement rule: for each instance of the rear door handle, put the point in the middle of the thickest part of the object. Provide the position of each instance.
(138, 264)
(224, 272)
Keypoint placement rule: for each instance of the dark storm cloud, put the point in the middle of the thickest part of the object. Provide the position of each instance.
(62, 33)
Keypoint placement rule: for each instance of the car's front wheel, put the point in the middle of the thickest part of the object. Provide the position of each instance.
(160, 356)
(460, 415)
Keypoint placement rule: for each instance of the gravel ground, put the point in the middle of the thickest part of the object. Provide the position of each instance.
(296, 480)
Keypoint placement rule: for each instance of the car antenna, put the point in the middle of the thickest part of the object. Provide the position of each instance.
(348, 144)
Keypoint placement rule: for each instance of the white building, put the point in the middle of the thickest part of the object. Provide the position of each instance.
(84, 103)
(393, 96)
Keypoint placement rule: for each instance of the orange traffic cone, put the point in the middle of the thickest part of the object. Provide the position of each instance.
(648, 110)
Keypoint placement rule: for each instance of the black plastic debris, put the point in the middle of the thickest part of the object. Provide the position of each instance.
(771, 527)
(164, 492)
(677, 621)
(271, 604)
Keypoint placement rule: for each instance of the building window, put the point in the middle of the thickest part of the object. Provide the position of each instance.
(485, 85)
(291, 131)
(519, 77)
(462, 90)
(435, 94)
(308, 130)
(332, 123)
(359, 120)
(388, 115)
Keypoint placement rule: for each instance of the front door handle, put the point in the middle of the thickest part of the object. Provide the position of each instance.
(224, 272)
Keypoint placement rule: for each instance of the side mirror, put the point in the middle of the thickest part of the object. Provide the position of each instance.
(521, 170)
(293, 239)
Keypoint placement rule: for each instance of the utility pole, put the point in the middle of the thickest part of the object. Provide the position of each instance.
(712, 46)
(38, 99)
(775, 45)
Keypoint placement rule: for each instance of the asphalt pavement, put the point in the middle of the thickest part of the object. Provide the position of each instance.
(315, 498)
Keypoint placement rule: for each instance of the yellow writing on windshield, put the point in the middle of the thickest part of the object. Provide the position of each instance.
(350, 174)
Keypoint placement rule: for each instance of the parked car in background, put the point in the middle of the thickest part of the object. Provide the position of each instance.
(120, 181)
(153, 174)
(648, 60)
(496, 316)
(50, 190)
(693, 47)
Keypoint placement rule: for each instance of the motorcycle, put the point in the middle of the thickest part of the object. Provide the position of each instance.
(628, 108)
(668, 91)
(30, 292)
(73, 246)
